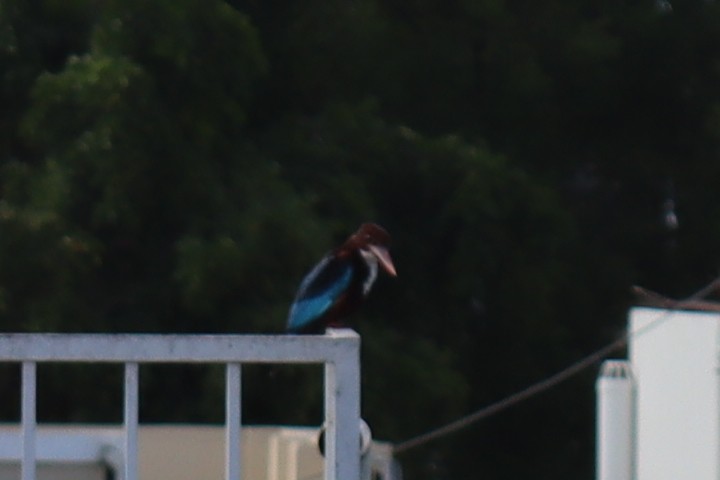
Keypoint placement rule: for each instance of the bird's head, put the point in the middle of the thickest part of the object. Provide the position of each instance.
(376, 240)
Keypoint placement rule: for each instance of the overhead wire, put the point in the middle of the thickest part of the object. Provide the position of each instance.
(558, 377)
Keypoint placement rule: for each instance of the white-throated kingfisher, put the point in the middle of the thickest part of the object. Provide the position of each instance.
(341, 281)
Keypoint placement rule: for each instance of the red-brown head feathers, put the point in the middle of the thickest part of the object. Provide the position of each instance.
(373, 238)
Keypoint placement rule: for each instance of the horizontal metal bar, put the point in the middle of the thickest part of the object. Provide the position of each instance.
(170, 348)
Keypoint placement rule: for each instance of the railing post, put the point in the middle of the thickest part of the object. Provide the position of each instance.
(233, 420)
(342, 414)
(29, 420)
(131, 420)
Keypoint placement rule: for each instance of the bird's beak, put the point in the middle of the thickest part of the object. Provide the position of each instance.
(383, 256)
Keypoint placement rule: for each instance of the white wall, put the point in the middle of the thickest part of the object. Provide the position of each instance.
(674, 357)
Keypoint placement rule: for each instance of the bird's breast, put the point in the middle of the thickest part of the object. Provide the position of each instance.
(372, 270)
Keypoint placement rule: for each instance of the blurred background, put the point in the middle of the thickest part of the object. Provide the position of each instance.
(179, 165)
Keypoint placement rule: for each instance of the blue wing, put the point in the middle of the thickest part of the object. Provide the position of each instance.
(318, 291)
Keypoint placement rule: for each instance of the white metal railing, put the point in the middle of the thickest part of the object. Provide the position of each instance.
(338, 350)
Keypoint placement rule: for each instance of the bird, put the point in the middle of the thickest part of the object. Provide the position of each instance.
(339, 283)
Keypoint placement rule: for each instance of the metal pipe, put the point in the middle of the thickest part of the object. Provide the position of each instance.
(615, 422)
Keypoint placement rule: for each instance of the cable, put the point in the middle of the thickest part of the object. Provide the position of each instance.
(559, 377)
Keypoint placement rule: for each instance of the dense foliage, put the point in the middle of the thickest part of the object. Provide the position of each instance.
(177, 165)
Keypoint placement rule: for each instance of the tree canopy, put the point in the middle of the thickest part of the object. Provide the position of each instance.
(177, 166)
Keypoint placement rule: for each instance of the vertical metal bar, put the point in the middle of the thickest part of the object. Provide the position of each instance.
(342, 416)
(131, 420)
(330, 424)
(29, 404)
(233, 418)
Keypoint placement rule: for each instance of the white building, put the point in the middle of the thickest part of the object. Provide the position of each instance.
(659, 412)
